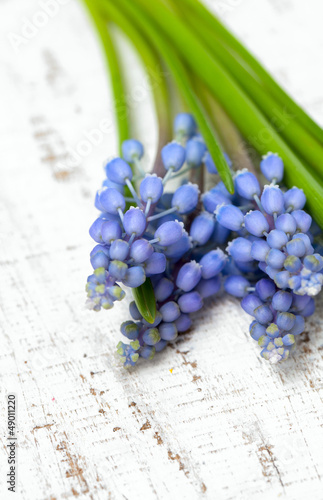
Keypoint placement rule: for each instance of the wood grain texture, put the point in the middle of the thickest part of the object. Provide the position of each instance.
(208, 419)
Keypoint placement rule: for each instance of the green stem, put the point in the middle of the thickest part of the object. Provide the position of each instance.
(200, 12)
(228, 133)
(112, 62)
(281, 119)
(156, 76)
(183, 82)
(250, 121)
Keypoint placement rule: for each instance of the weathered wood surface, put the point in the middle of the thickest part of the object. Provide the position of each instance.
(208, 419)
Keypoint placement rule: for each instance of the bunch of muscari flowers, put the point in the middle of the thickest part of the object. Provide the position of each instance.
(168, 238)
(274, 235)
(149, 240)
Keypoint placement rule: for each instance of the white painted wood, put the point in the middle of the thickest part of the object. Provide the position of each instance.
(208, 419)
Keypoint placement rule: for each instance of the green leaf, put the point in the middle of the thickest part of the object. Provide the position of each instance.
(145, 300)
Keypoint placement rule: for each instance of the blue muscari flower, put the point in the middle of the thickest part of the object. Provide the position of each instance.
(202, 228)
(100, 257)
(282, 301)
(259, 250)
(265, 289)
(230, 217)
(256, 223)
(118, 171)
(286, 223)
(112, 201)
(293, 264)
(151, 188)
(169, 233)
(296, 247)
(190, 302)
(156, 264)
(189, 275)
(272, 167)
(250, 302)
(164, 289)
(277, 239)
(98, 287)
(307, 242)
(119, 250)
(183, 323)
(110, 231)
(247, 185)
(133, 309)
(212, 263)
(195, 151)
(185, 198)
(118, 269)
(272, 200)
(294, 199)
(209, 287)
(275, 258)
(131, 150)
(128, 353)
(130, 330)
(147, 352)
(133, 277)
(170, 311)
(178, 249)
(303, 220)
(285, 320)
(263, 314)
(236, 286)
(184, 125)
(134, 221)
(141, 250)
(209, 163)
(168, 331)
(240, 249)
(173, 156)
(95, 230)
(151, 336)
(213, 199)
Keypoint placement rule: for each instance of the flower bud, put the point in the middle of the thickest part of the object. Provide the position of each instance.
(294, 199)
(272, 167)
(118, 171)
(247, 185)
(134, 277)
(212, 263)
(151, 187)
(185, 198)
(190, 302)
(303, 220)
(272, 200)
(236, 286)
(119, 250)
(170, 312)
(230, 217)
(168, 331)
(131, 150)
(173, 156)
(189, 275)
(141, 250)
(256, 223)
(169, 233)
(184, 125)
(240, 249)
(111, 200)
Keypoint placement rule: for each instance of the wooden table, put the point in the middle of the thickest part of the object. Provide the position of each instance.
(208, 419)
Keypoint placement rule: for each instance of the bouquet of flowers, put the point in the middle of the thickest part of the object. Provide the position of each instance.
(239, 219)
